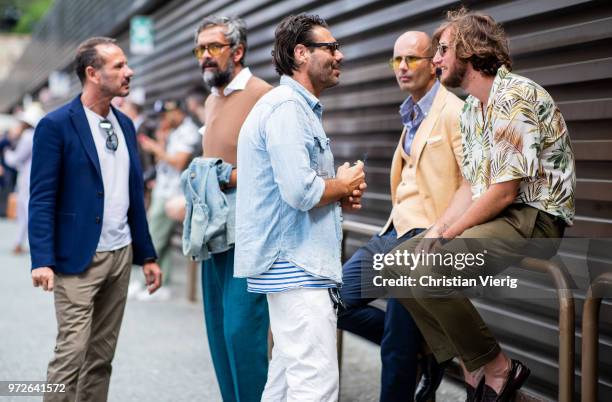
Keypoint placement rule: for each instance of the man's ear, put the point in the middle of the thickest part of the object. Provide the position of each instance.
(91, 74)
(301, 54)
(433, 69)
(238, 54)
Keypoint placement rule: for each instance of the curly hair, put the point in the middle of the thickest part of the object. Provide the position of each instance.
(478, 39)
(290, 32)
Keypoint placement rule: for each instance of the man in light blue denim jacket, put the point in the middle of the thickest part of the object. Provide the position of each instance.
(288, 215)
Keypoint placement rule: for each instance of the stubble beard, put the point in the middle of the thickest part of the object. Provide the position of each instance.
(324, 78)
(112, 91)
(456, 75)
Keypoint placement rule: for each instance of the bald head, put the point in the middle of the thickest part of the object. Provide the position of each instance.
(415, 40)
(413, 68)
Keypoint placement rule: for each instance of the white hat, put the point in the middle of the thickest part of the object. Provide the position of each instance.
(32, 114)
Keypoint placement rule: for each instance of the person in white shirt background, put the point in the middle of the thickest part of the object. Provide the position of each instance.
(20, 159)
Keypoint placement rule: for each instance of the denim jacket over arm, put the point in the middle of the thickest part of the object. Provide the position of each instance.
(284, 157)
(209, 212)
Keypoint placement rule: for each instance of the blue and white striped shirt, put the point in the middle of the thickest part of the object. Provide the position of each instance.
(284, 275)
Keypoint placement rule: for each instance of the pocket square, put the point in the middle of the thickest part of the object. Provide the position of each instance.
(435, 139)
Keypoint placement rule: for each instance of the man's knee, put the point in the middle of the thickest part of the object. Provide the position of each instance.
(67, 361)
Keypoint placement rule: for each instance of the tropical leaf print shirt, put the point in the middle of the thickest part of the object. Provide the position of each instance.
(520, 135)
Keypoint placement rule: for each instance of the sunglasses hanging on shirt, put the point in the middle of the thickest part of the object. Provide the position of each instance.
(112, 141)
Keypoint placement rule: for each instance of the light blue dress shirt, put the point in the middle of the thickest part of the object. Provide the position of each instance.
(413, 114)
(284, 157)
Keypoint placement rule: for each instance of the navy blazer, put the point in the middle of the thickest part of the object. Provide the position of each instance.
(67, 193)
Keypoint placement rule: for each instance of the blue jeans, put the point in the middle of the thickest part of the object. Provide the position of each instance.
(394, 330)
(237, 328)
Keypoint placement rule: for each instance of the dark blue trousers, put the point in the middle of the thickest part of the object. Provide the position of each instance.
(394, 329)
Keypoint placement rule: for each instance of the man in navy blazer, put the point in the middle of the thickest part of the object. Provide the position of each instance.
(87, 221)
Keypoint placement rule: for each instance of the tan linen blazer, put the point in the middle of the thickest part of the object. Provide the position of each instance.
(438, 154)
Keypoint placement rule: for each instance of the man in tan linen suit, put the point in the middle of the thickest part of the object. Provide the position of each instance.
(424, 176)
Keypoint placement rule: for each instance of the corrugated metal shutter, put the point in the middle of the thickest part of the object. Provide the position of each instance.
(562, 44)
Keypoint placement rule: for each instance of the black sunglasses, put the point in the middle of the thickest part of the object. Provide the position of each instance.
(331, 46)
(112, 141)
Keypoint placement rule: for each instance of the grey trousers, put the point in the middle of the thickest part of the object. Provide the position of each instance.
(89, 308)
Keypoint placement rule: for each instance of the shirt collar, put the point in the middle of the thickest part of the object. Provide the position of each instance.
(312, 100)
(501, 74)
(108, 116)
(237, 84)
(422, 106)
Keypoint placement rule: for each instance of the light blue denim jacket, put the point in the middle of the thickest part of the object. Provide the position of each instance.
(209, 225)
(284, 157)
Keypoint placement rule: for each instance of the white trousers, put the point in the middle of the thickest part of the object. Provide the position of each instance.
(304, 365)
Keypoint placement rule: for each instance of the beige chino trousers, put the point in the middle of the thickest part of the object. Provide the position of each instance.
(89, 308)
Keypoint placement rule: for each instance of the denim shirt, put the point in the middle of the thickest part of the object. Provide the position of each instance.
(209, 225)
(284, 157)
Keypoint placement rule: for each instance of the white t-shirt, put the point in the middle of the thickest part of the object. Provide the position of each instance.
(115, 168)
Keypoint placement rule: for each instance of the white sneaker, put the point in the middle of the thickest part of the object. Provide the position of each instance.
(134, 289)
(162, 294)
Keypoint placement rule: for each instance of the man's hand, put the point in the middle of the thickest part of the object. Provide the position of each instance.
(431, 237)
(153, 276)
(348, 180)
(451, 232)
(43, 276)
(351, 176)
(353, 202)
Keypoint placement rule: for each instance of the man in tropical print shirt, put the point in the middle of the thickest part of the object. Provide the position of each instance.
(522, 136)
(519, 184)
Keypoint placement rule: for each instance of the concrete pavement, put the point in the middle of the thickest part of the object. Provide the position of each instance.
(162, 353)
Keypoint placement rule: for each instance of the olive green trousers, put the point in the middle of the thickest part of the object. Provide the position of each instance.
(447, 319)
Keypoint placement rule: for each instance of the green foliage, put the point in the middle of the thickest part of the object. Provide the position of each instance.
(32, 12)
